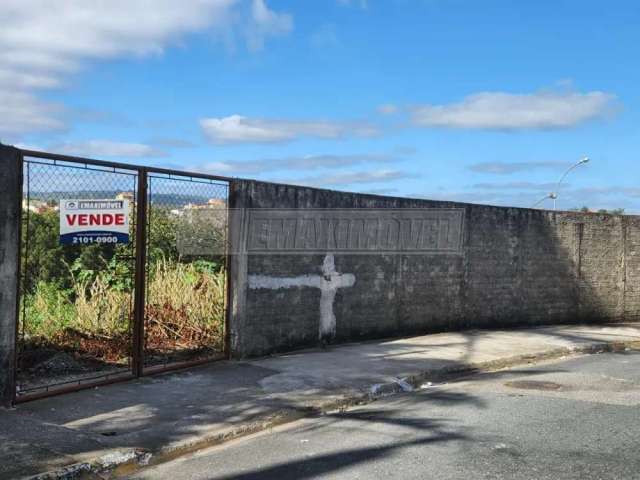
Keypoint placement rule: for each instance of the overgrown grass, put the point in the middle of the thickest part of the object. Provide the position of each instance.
(185, 309)
(47, 311)
(185, 306)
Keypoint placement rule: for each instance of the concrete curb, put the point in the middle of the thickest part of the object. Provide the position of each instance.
(119, 463)
(105, 463)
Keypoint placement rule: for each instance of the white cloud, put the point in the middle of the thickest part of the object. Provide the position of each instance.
(42, 43)
(23, 112)
(9, 77)
(28, 146)
(239, 129)
(107, 148)
(381, 191)
(505, 111)
(34, 38)
(310, 162)
(483, 198)
(229, 168)
(352, 178)
(388, 109)
(517, 186)
(618, 190)
(504, 168)
(328, 161)
(266, 23)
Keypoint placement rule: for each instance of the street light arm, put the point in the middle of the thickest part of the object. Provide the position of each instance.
(550, 195)
(577, 164)
(567, 173)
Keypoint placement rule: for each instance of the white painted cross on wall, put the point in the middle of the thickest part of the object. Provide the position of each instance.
(328, 283)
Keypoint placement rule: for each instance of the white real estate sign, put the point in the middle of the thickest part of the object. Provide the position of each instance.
(83, 222)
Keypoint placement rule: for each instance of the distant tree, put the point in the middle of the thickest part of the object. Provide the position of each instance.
(161, 235)
(613, 211)
(45, 260)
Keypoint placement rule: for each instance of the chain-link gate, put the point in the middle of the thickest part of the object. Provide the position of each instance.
(76, 312)
(186, 290)
(106, 307)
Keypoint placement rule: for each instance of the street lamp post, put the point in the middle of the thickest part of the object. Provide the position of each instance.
(554, 194)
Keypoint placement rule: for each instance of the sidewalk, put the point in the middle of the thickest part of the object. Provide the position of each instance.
(156, 418)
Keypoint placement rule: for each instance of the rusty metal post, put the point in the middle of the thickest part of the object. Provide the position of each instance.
(140, 276)
(228, 255)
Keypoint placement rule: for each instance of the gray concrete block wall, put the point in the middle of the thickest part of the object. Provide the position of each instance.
(601, 274)
(631, 269)
(10, 205)
(518, 267)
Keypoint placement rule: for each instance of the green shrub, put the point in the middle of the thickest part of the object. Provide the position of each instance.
(185, 304)
(48, 311)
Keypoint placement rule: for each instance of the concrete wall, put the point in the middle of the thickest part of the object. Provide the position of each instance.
(514, 267)
(11, 190)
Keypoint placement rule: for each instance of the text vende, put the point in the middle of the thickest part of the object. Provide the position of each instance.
(84, 219)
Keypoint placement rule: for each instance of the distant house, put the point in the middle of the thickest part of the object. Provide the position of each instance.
(38, 206)
(212, 204)
(126, 196)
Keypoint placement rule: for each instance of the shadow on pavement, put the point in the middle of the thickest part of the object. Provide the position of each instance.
(167, 410)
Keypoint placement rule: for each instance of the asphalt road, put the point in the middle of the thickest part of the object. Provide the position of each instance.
(578, 418)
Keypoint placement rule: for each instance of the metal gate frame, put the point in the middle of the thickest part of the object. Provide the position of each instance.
(175, 175)
(139, 300)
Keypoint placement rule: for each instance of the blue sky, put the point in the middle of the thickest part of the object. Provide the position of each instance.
(481, 101)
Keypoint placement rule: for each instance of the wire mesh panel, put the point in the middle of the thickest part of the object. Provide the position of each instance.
(186, 270)
(76, 291)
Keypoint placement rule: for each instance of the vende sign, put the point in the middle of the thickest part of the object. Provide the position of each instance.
(94, 221)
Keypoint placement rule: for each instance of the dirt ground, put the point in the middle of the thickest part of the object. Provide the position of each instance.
(74, 357)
